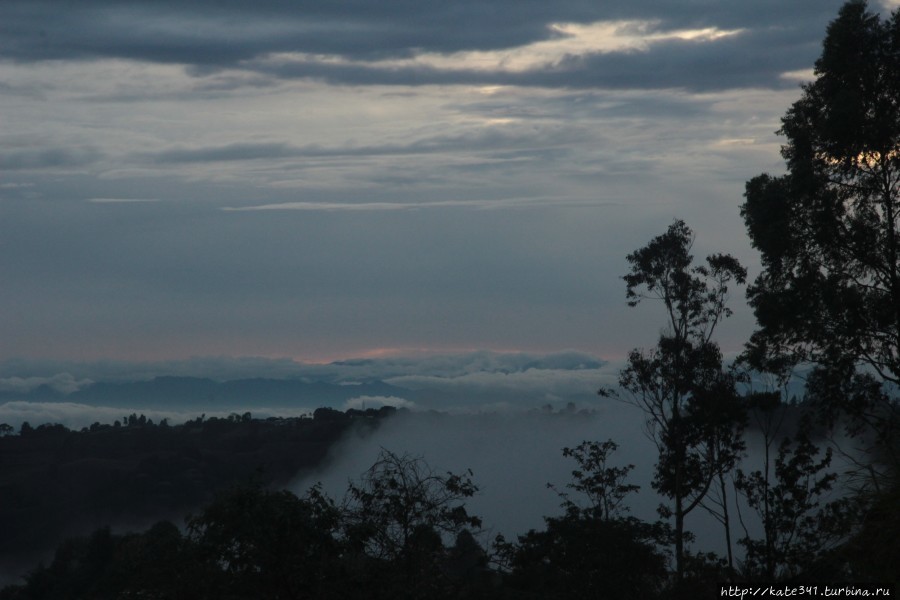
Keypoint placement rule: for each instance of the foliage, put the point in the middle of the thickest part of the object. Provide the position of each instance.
(827, 230)
(797, 527)
(384, 541)
(692, 409)
(400, 496)
(397, 518)
(267, 543)
(603, 486)
(873, 552)
(155, 564)
(583, 557)
(57, 482)
(593, 550)
(828, 297)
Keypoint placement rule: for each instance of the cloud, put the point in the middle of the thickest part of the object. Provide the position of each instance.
(366, 402)
(478, 140)
(457, 382)
(366, 214)
(485, 204)
(548, 382)
(47, 158)
(240, 151)
(120, 200)
(210, 33)
(512, 457)
(446, 365)
(387, 43)
(65, 383)
(741, 59)
(220, 368)
(223, 368)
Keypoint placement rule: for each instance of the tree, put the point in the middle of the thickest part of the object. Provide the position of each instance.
(158, 563)
(587, 558)
(399, 516)
(827, 230)
(260, 543)
(680, 384)
(603, 486)
(797, 528)
(593, 550)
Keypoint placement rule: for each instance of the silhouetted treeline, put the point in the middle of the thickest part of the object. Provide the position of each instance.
(403, 531)
(55, 482)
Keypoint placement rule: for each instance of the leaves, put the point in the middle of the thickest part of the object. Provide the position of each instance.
(690, 404)
(797, 527)
(399, 496)
(828, 229)
(603, 485)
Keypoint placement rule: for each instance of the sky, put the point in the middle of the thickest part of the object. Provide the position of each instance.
(323, 180)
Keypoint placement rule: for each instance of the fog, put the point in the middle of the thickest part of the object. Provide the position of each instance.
(505, 417)
(513, 456)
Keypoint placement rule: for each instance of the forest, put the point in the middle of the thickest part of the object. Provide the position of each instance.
(827, 307)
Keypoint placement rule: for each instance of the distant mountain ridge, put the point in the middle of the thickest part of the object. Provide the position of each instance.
(179, 391)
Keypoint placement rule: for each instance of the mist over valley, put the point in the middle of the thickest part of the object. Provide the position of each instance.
(505, 417)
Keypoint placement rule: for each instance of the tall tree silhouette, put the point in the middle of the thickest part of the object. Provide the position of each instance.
(827, 230)
(680, 384)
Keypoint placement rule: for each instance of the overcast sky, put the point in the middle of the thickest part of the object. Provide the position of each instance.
(321, 180)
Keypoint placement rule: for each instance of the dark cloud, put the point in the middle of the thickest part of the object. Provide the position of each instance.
(743, 60)
(45, 158)
(223, 33)
(208, 35)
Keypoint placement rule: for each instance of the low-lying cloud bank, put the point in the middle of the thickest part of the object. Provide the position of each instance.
(64, 383)
(470, 381)
(223, 368)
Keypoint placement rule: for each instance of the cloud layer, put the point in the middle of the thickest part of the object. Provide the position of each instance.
(222, 178)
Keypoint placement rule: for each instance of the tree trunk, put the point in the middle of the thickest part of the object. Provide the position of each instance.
(726, 522)
(679, 539)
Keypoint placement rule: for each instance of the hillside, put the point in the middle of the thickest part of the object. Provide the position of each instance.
(55, 482)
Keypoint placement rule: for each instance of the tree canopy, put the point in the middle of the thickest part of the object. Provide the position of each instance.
(690, 404)
(827, 230)
(828, 233)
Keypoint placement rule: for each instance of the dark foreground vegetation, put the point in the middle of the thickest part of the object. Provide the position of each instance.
(403, 531)
(827, 303)
(55, 482)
